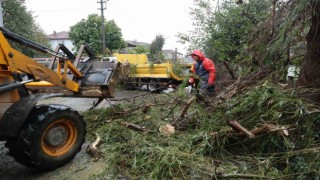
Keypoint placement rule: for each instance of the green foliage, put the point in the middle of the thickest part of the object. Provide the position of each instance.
(202, 15)
(232, 28)
(255, 34)
(285, 43)
(207, 144)
(139, 50)
(113, 36)
(17, 19)
(223, 33)
(180, 69)
(156, 48)
(89, 31)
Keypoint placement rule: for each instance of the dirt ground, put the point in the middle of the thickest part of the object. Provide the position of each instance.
(81, 167)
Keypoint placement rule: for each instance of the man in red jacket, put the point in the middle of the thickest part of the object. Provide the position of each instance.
(204, 68)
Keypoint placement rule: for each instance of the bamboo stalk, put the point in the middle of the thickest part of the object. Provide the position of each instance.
(242, 176)
(185, 109)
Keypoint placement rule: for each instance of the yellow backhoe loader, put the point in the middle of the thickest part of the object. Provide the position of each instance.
(47, 136)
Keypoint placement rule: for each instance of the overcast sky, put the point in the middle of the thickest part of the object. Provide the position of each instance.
(139, 20)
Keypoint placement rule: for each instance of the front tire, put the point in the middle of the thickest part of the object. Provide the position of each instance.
(51, 137)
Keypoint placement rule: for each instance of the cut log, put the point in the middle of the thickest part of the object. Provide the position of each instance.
(237, 127)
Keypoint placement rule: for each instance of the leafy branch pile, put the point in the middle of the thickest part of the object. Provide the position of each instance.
(206, 146)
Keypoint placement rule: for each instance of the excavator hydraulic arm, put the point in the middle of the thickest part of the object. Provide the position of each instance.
(14, 62)
(66, 75)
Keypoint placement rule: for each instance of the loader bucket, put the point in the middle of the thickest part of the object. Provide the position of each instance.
(98, 78)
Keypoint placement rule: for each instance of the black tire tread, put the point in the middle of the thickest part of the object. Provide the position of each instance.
(22, 148)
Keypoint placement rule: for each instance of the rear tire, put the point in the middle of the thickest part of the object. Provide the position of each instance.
(51, 137)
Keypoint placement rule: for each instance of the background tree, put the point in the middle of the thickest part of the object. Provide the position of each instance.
(223, 30)
(290, 36)
(310, 74)
(17, 19)
(231, 29)
(89, 31)
(139, 50)
(156, 48)
(202, 15)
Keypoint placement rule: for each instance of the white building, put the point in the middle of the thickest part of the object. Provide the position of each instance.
(60, 38)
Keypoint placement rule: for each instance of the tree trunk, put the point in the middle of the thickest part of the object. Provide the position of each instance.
(310, 74)
(273, 17)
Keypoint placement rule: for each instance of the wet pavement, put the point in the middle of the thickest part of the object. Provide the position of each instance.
(83, 104)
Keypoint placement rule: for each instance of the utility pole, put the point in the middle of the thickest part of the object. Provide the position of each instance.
(1, 14)
(103, 38)
(176, 54)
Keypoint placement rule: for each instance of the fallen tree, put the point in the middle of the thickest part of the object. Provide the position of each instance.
(270, 133)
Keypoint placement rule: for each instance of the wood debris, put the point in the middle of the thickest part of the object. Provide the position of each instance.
(166, 129)
(92, 148)
(133, 126)
(185, 109)
(237, 127)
